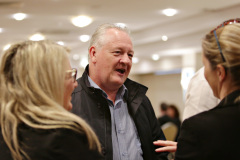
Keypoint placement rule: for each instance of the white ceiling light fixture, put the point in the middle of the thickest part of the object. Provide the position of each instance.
(1, 30)
(122, 25)
(60, 43)
(135, 60)
(84, 38)
(37, 37)
(155, 57)
(164, 38)
(19, 16)
(6, 47)
(81, 21)
(169, 12)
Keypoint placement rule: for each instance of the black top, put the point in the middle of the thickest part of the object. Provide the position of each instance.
(51, 144)
(214, 134)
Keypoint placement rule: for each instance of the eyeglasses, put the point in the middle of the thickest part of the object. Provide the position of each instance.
(73, 73)
(231, 21)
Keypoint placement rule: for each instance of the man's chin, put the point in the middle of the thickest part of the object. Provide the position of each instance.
(119, 82)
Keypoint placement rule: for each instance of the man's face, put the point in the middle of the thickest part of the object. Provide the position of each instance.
(112, 61)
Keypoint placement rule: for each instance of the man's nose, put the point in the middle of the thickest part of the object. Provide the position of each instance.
(125, 59)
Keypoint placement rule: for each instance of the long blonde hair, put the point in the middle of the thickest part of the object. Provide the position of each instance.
(32, 86)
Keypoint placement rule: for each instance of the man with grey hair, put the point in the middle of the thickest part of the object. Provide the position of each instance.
(114, 106)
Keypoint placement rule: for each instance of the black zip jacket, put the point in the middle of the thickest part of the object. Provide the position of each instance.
(89, 104)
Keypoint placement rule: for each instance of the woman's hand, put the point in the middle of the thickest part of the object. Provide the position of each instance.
(167, 146)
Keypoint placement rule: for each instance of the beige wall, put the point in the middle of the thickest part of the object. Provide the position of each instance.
(162, 88)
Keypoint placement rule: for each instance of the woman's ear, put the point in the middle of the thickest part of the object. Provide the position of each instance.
(221, 72)
(92, 54)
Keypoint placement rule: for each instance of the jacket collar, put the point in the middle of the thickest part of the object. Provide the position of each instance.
(136, 91)
(84, 83)
(229, 99)
(136, 95)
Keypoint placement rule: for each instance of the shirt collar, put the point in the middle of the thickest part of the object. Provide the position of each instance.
(122, 92)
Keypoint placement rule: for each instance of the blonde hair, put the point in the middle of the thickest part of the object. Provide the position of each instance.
(32, 88)
(229, 40)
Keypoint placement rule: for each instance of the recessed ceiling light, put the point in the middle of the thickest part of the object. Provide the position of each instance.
(37, 37)
(1, 30)
(155, 57)
(84, 38)
(122, 25)
(81, 21)
(6, 47)
(169, 12)
(135, 60)
(164, 38)
(19, 16)
(60, 43)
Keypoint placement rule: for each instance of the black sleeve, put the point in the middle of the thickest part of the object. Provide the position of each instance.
(188, 147)
(157, 133)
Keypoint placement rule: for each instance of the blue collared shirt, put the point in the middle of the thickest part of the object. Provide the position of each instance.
(125, 140)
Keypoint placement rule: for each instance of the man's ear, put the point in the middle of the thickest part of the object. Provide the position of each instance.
(92, 54)
(221, 72)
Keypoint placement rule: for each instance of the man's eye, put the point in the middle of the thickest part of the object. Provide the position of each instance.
(118, 52)
(130, 55)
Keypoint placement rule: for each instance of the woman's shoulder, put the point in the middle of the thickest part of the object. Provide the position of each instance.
(60, 143)
(50, 137)
(201, 119)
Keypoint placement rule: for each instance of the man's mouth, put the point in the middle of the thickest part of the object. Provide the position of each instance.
(121, 71)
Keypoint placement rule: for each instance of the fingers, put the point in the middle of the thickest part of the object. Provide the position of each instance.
(167, 149)
(165, 143)
(168, 146)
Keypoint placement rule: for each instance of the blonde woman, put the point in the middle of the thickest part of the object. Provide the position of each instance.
(214, 134)
(36, 82)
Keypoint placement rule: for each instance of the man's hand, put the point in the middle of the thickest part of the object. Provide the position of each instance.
(168, 146)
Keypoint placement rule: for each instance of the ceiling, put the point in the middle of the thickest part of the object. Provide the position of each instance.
(52, 18)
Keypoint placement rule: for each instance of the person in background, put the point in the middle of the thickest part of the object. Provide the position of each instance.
(199, 96)
(164, 118)
(173, 113)
(116, 107)
(214, 134)
(36, 81)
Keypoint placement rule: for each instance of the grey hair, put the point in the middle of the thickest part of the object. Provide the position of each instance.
(97, 38)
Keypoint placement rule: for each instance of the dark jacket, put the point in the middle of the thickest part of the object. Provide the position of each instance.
(89, 104)
(51, 144)
(214, 134)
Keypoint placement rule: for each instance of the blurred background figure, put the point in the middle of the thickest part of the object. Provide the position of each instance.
(169, 120)
(199, 96)
(36, 81)
(173, 113)
(164, 118)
